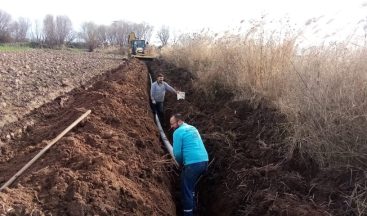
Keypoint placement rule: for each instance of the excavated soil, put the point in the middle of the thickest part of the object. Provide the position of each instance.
(252, 170)
(30, 78)
(112, 163)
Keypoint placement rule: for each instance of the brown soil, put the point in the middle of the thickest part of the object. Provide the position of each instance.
(253, 172)
(110, 164)
(30, 78)
(113, 162)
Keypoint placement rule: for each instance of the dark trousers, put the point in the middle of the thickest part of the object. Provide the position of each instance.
(158, 109)
(189, 175)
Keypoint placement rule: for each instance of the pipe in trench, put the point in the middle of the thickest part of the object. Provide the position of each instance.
(166, 142)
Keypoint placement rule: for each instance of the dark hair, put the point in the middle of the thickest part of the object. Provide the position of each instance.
(160, 75)
(178, 116)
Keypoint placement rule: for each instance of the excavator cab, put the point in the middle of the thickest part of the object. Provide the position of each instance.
(138, 48)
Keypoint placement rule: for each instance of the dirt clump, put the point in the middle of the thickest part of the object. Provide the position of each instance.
(110, 164)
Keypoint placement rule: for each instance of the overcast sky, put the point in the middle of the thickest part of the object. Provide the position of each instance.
(193, 15)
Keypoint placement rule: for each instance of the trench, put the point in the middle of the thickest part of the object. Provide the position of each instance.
(115, 164)
(217, 192)
(174, 179)
(153, 70)
(252, 172)
(111, 164)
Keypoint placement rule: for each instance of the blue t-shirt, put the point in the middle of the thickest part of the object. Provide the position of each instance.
(188, 147)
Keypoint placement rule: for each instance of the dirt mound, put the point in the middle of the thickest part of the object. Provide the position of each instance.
(110, 164)
(31, 78)
(253, 172)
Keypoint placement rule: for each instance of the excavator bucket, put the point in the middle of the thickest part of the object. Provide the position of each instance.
(144, 57)
(149, 54)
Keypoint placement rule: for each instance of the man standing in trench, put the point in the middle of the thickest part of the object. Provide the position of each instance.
(189, 151)
(157, 93)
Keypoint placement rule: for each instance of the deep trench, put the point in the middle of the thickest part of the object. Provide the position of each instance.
(246, 178)
(253, 172)
(203, 204)
(175, 181)
(217, 118)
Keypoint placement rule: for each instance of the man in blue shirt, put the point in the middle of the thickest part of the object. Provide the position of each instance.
(189, 151)
(157, 93)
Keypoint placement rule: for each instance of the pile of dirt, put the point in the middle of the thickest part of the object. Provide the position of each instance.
(110, 164)
(253, 171)
(30, 78)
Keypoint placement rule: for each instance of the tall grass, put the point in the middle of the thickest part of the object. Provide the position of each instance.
(322, 90)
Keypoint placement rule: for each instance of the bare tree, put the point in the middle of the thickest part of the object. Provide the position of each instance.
(112, 32)
(13, 31)
(163, 35)
(148, 30)
(63, 29)
(71, 37)
(111, 35)
(19, 29)
(102, 34)
(126, 29)
(24, 26)
(49, 31)
(90, 35)
(121, 31)
(5, 22)
(36, 33)
(143, 31)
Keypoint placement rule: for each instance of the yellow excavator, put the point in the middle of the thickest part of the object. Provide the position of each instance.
(139, 48)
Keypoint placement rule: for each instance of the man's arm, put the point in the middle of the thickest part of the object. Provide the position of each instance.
(151, 93)
(169, 88)
(177, 147)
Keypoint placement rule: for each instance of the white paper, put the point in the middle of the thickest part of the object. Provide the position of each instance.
(180, 95)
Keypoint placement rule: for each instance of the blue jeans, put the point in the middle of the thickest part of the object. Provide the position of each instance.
(189, 175)
(158, 108)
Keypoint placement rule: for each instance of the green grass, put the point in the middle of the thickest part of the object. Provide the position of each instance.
(14, 47)
(76, 50)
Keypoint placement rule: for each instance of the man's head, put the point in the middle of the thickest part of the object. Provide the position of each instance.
(176, 120)
(160, 78)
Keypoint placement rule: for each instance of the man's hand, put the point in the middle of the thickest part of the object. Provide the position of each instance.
(153, 101)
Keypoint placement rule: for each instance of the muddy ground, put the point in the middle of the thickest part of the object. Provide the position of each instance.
(110, 164)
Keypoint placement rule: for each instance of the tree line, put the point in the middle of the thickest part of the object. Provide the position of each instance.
(57, 31)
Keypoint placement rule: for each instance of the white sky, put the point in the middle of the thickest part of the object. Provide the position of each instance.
(193, 15)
